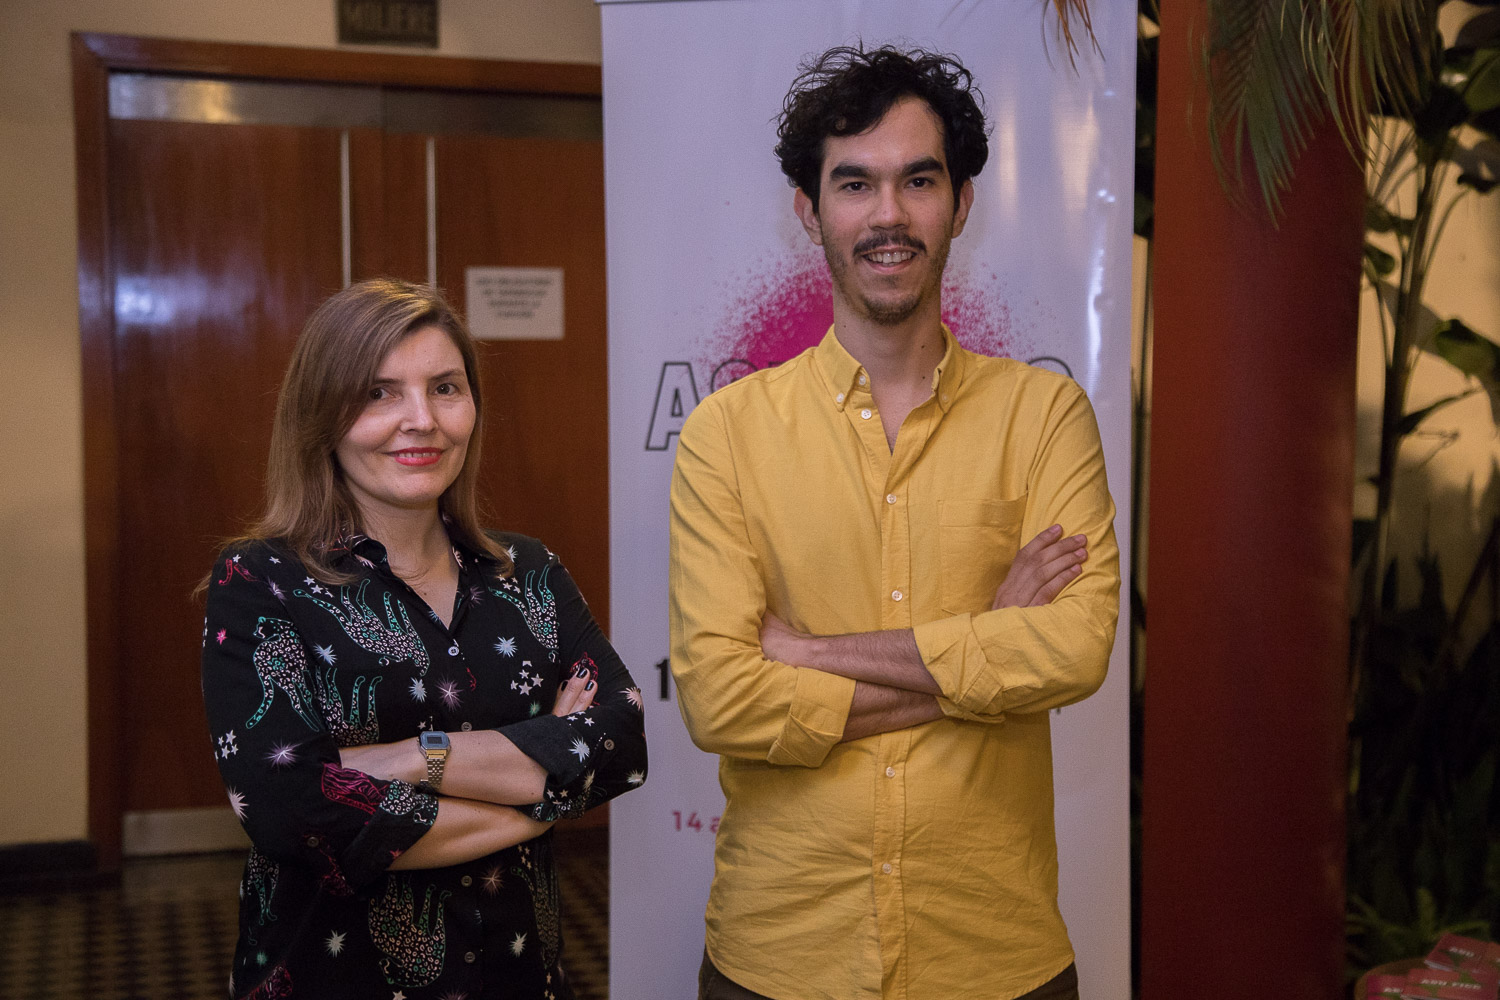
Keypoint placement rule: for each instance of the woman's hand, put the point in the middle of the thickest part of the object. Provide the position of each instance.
(403, 759)
(577, 692)
(1043, 567)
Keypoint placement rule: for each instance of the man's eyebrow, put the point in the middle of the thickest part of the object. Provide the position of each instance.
(857, 171)
(848, 170)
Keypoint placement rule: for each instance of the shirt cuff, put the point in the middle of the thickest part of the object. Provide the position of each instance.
(815, 722)
(955, 658)
(547, 739)
(399, 821)
(955, 711)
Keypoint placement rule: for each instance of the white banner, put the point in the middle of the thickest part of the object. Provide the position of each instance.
(712, 276)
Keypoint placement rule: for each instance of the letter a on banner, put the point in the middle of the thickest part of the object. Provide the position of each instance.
(711, 277)
(676, 395)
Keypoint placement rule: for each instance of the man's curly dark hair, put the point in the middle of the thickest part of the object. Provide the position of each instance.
(847, 90)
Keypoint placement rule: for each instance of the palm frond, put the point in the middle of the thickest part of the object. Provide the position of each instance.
(1385, 49)
(1276, 69)
(1067, 11)
(1261, 92)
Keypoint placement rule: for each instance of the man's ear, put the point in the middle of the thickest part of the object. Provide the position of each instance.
(803, 206)
(965, 202)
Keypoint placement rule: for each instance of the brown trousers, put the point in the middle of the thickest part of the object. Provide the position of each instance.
(714, 985)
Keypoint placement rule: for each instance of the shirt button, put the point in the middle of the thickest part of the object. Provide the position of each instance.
(896, 595)
(453, 649)
(890, 772)
(467, 880)
(469, 956)
(312, 841)
(862, 380)
(467, 726)
(839, 398)
(609, 744)
(865, 414)
(890, 498)
(886, 867)
(945, 397)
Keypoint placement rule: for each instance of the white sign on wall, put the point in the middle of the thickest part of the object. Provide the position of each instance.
(514, 303)
(711, 276)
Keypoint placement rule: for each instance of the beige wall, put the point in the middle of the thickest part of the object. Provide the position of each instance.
(1447, 486)
(43, 742)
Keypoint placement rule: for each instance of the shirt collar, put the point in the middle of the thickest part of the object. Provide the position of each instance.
(841, 371)
(354, 546)
(372, 554)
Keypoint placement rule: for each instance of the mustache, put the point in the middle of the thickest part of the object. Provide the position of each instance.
(888, 242)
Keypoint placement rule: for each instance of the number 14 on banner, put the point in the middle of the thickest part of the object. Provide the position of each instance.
(693, 823)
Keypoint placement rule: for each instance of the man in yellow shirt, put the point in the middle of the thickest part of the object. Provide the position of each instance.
(856, 628)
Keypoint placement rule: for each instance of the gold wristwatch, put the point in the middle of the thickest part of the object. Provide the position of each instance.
(435, 746)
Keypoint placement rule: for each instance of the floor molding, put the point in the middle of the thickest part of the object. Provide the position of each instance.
(47, 866)
(154, 832)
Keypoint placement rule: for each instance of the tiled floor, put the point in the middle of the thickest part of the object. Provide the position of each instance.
(166, 932)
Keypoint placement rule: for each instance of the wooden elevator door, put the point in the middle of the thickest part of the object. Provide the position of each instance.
(235, 209)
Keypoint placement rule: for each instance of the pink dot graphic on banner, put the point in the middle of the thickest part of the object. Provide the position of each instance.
(785, 305)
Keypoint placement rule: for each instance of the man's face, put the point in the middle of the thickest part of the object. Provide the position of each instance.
(886, 214)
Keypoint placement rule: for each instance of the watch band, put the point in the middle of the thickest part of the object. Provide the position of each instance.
(434, 746)
(437, 760)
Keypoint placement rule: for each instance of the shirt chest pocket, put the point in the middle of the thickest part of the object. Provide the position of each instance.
(977, 542)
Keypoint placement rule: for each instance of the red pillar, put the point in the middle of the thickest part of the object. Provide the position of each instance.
(1252, 451)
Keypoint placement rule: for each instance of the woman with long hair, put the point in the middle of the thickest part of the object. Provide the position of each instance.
(401, 702)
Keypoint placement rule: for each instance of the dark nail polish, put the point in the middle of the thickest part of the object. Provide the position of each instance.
(589, 686)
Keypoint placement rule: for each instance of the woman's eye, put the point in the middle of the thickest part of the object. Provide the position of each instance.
(377, 393)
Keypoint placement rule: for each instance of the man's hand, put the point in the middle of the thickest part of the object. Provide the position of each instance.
(782, 643)
(1043, 567)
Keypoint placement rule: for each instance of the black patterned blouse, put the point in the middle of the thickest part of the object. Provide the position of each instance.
(294, 668)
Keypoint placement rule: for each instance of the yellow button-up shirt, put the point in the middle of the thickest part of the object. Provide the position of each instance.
(919, 863)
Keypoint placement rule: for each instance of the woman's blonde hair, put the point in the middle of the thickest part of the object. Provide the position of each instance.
(337, 357)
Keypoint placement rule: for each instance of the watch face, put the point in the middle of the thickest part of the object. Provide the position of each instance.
(434, 741)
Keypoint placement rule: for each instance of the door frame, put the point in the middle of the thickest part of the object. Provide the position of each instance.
(94, 57)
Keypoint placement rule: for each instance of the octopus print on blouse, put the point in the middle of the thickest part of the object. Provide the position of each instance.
(281, 662)
(354, 729)
(389, 640)
(413, 943)
(257, 887)
(343, 665)
(537, 605)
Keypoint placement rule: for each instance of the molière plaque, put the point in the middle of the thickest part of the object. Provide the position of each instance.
(388, 22)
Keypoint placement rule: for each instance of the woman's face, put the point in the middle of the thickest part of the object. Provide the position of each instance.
(408, 443)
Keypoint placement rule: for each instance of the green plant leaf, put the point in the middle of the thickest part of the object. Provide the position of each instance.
(1379, 219)
(1481, 29)
(1380, 262)
(1482, 91)
(1442, 112)
(1467, 350)
(1412, 420)
(1145, 216)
